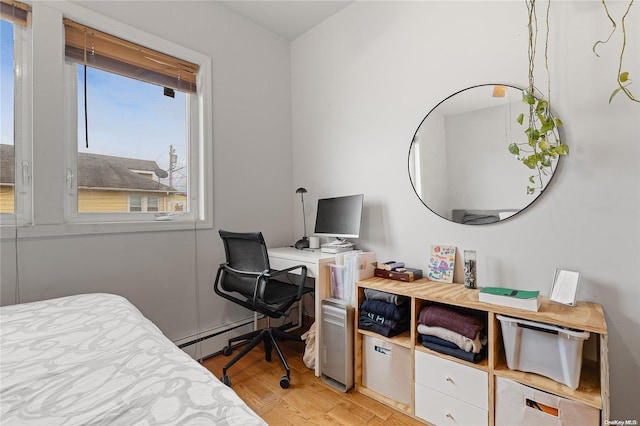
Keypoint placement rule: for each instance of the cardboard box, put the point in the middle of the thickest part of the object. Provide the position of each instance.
(517, 404)
(386, 369)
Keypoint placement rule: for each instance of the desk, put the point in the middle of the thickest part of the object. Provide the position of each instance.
(316, 263)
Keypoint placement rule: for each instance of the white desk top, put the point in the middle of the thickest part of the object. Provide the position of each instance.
(306, 255)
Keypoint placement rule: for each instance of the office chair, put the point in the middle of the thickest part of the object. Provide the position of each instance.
(247, 279)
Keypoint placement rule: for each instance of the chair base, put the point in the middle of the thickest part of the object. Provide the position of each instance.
(268, 337)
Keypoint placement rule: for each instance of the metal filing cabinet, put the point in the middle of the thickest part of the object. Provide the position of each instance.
(337, 344)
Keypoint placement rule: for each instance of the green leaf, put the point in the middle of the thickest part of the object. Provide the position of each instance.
(530, 190)
(559, 122)
(530, 161)
(624, 76)
(529, 99)
(542, 106)
(520, 119)
(543, 144)
(562, 149)
(531, 179)
(513, 148)
(533, 135)
(547, 126)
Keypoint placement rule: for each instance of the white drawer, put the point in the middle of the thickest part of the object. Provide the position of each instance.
(460, 381)
(279, 263)
(442, 410)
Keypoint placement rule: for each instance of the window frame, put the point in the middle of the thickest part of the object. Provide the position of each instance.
(22, 141)
(199, 136)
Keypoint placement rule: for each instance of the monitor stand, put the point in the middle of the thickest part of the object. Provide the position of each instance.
(339, 245)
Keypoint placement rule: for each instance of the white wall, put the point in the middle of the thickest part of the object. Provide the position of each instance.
(253, 187)
(362, 82)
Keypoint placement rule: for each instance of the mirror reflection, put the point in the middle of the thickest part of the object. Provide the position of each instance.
(459, 163)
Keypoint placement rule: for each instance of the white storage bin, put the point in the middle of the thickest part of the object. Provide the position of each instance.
(517, 404)
(545, 349)
(386, 369)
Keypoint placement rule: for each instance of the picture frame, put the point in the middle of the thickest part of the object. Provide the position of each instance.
(564, 288)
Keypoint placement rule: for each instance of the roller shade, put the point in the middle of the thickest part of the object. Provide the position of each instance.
(16, 12)
(94, 48)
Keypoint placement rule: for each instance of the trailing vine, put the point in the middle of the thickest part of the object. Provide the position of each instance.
(622, 77)
(543, 143)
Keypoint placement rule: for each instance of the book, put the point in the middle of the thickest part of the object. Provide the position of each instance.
(441, 263)
(520, 299)
(391, 265)
(409, 275)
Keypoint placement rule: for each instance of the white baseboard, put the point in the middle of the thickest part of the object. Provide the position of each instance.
(221, 336)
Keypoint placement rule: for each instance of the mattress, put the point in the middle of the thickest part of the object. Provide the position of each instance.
(94, 359)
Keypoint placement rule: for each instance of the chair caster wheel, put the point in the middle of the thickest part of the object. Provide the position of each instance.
(226, 380)
(284, 382)
(226, 351)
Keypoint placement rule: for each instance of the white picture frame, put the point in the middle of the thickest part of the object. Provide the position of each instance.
(564, 288)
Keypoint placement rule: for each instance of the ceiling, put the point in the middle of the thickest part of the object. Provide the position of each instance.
(291, 18)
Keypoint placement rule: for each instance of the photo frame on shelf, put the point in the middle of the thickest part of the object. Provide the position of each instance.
(564, 288)
(441, 263)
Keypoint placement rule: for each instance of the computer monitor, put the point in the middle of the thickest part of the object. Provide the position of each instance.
(339, 216)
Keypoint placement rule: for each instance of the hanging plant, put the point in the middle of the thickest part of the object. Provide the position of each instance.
(622, 78)
(543, 145)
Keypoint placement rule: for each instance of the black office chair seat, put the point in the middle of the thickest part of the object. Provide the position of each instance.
(246, 279)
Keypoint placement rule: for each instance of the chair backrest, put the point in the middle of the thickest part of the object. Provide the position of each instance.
(245, 251)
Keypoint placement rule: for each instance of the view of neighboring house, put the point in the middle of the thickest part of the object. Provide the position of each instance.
(105, 184)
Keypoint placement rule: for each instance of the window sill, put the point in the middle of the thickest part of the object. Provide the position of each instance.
(62, 230)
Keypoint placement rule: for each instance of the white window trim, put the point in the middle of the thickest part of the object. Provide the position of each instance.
(199, 134)
(23, 192)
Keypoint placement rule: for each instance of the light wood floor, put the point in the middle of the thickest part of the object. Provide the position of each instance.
(308, 400)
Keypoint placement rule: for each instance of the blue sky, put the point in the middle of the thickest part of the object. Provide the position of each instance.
(127, 118)
(6, 82)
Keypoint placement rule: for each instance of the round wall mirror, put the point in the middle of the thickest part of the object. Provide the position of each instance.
(459, 163)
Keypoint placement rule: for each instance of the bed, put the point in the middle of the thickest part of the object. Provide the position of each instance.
(94, 359)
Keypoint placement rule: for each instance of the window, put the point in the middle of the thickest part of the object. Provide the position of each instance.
(15, 145)
(138, 203)
(135, 119)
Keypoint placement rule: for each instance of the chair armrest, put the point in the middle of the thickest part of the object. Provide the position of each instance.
(301, 281)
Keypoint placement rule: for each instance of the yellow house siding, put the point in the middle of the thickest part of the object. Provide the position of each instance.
(91, 201)
(7, 200)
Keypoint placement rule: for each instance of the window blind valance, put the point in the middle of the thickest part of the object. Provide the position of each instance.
(15, 11)
(91, 47)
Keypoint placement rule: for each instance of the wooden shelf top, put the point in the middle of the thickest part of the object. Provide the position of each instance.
(585, 316)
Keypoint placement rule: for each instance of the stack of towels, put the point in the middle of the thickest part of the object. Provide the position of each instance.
(453, 331)
(384, 313)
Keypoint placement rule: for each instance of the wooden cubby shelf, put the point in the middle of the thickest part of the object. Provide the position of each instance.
(478, 407)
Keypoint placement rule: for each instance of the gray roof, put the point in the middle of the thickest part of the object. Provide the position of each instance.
(99, 172)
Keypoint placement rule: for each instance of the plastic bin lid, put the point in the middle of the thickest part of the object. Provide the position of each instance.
(569, 333)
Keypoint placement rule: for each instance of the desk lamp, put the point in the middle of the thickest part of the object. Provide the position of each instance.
(303, 242)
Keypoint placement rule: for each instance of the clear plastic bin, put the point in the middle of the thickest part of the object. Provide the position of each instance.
(544, 349)
(337, 273)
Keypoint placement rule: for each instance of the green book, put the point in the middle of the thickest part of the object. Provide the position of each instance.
(519, 294)
(520, 299)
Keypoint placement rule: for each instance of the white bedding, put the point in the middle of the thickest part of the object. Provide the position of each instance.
(94, 359)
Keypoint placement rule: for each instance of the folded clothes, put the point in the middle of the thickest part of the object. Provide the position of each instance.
(402, 323)
(422, 338)
(386, 309)
(458, 353)
(461, 321)
(366, 323)
(372, 294)
(462, 342)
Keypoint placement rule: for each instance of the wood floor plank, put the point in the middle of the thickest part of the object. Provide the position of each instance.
(308, 400)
